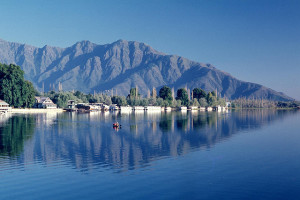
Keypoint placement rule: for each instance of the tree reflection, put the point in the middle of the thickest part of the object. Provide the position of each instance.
(89, 140)
(14, 133)
(165, 123)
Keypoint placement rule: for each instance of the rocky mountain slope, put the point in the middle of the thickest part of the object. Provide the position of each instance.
(89, 67)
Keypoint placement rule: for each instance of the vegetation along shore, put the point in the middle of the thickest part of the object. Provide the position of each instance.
(20, 93)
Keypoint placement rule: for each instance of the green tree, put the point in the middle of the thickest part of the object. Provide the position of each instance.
(178, 103)
(144, 102)
(198, 93)
(159, 102)
(13, 88)
(211, 99)
(133, 93)
(221, 102)
(203, 102)
(195, 102)
(28, 93)
(91, 98)
(166, 94)
(107, 100)
(152, 101)
(81, 96)
(183, 96)
(120, 101)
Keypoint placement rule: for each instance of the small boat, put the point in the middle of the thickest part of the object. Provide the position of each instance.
(116, 125)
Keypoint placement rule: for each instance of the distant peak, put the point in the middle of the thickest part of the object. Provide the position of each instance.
(84, 42)
(119, 42)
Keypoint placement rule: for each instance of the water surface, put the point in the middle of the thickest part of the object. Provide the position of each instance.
(249, 154)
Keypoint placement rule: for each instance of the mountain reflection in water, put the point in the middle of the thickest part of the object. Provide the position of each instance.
(88, 141)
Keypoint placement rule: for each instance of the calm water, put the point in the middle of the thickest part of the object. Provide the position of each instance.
(192, 155)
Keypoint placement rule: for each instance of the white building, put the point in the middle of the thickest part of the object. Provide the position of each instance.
(44, 102)
(125, 108)
(4, 107)
(113, 107)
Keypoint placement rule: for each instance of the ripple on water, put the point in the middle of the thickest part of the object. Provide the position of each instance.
(166, 156)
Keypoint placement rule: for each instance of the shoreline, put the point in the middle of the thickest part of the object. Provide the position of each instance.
(276, 108)
(35, 110)
(59, 110)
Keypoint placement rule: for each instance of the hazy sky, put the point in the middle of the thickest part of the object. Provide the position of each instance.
(254, 40)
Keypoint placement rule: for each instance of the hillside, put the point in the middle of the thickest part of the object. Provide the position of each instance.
(121, 65)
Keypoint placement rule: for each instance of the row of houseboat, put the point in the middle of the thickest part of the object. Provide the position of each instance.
(82, 107)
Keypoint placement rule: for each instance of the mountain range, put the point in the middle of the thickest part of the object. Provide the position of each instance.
(121, 65)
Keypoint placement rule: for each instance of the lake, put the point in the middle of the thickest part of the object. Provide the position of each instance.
(246, 154)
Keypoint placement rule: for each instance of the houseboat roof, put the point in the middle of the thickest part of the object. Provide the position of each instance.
(3, 103)
(41, 99)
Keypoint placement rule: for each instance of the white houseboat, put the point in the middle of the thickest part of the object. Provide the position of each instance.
(125, 108)
(4, 107)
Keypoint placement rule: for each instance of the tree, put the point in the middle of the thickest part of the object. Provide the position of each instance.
(166, 94)
(198, 93)
(144, 102)
(152, 101)
(154, 93)
(133, 93)
(221, 102)
(81, 96)
(183, 96)
(107, 100)
(195, 102)
(14, 89)
(159, 102)
(148, 94)
(203, 102)
(28, 93)
(91, 98)
(120, 101)
(178, 103)
(211, 99)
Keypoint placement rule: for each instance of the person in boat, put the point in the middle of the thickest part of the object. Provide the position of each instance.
(116, 124)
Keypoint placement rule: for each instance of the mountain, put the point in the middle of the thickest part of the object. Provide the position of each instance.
(89, 67)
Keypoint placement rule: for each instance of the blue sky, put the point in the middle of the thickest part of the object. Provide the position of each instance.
(254, 40)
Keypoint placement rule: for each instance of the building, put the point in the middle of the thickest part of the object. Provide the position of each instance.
(217, 108)
(113, 107)
(4, 107)
(183, 108)
(104, 107)
(193, 108)
(125, 108)
(71, 104)
(44, 102)
(228, 104)
(209, 108)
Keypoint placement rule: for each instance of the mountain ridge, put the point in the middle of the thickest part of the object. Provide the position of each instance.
(120, 65)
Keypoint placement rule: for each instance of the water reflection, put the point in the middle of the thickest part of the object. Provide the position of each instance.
(88, 141)
(14, 131)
